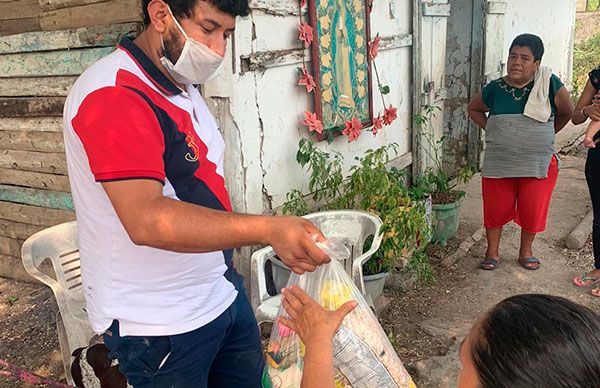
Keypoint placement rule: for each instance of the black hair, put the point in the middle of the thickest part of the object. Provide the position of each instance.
(185, 8)
(533, 42)
(538, 341)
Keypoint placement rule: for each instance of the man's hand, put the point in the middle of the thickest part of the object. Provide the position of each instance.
(309, 320)
(293, 239)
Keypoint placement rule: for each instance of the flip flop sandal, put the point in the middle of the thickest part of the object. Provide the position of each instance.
(530, 263)
(585, 281)
(489, 264)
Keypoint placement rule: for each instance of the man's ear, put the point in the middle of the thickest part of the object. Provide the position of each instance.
(159, 15)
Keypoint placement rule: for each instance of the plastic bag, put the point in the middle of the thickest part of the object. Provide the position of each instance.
(363, 355)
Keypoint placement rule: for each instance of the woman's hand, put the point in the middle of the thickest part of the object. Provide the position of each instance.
(592, 111)
(308, 319)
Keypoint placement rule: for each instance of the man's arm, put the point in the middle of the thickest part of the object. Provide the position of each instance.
(477, 110)
(156, 221)
(564, 109)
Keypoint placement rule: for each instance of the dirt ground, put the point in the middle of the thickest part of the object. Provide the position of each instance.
(426, 324)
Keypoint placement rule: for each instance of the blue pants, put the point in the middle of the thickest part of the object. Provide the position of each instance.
(225, 353)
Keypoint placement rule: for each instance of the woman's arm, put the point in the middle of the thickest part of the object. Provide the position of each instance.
(316, 327)
(585, 106)
(564, 109)
(477, 110)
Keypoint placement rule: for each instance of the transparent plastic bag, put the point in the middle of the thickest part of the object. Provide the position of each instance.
(363, 355)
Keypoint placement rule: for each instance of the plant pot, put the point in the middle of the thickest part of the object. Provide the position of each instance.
(374, 284)
(446, 218)
(281, 274)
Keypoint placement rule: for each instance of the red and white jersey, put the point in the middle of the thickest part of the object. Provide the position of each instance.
(125, 120)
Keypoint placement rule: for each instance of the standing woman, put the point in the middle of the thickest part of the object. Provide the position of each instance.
(526, 108)
(586, 108)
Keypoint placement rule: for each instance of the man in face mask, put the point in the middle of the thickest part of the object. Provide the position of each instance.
(156, 227)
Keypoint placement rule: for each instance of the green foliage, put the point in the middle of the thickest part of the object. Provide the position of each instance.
(586, 56)
(593, 5)
(419, 264)
(370, 186)
(435, 180)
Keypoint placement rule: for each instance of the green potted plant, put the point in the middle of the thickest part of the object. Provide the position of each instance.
(439, 184)
(370, 186)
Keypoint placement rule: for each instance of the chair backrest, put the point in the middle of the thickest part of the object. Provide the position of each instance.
(352, 227)
(59, 244)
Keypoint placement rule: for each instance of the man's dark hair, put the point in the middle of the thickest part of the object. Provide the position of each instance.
(534, 43)
(538, 341)
(185, 8)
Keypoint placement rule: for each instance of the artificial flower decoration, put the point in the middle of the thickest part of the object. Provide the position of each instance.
(390, 115)
(377, 124)
(306, 34)
(312, 122)
(307, 80)
(374, 47)
(352, 129)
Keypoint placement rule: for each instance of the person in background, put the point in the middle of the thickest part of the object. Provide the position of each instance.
(588, 107)
(520, 112)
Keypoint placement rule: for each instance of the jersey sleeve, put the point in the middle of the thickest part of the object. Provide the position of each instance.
(121, 135)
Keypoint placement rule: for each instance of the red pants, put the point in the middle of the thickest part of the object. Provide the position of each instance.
(524, 200)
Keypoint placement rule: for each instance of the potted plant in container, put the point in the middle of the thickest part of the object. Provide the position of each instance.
(370, 186)
(439, 184)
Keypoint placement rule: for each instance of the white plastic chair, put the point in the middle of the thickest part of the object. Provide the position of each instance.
(60, 245)
(350, 226)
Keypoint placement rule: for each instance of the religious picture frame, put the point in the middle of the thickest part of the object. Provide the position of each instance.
(341, 63)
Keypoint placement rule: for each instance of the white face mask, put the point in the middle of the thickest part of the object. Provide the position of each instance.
(197, 63)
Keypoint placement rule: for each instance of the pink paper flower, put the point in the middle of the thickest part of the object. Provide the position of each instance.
(390, 115)
(374, 47)
(312, 122)
(307, 80)
(377, 125)
(306, 34)
(352, 129)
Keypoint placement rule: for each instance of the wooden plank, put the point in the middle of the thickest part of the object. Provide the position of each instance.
(42, 124)
(117, 11)
(50, 63)
(38, 87)
(397, 41)
(18, 26)
(278, 7)
(32, 141)
(18, 230)
(51, 5)
(20, 9)
(497, 7)
(36, 180)
(53, 163)
(95, 36)
(34, 215)
(31, 106)
(10, 247)
(436, 9)
(36, 197)
(266, 59)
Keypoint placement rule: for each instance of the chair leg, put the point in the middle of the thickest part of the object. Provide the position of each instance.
(64, 347)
